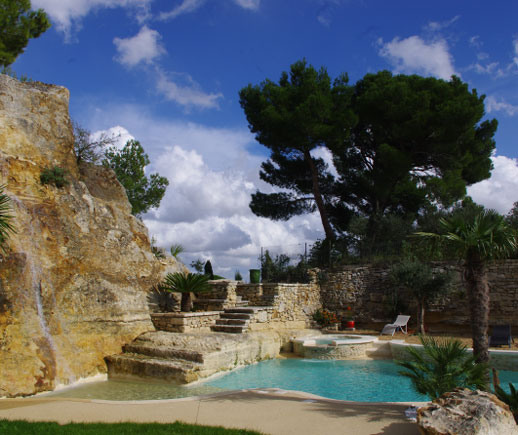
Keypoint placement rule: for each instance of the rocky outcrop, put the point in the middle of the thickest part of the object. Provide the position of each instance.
(74, 284)
(465, 411)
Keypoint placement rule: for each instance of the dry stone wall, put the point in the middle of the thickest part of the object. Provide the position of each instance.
(366, 289)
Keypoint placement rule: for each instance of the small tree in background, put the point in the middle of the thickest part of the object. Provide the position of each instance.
(238, 276)
(198, 265)
(186, 284)
(6, 226)
(18, 24)
(129, 163)
(420, 281)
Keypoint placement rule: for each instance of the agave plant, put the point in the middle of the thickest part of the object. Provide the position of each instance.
(441, 366)
(186, 284)
(6, 228)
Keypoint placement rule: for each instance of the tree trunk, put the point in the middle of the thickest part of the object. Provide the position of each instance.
(186, 303)
(330, 234)
(477, 286)
(420, 316)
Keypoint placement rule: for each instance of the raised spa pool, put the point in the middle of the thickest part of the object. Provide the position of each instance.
(337, 346)
(363, 380)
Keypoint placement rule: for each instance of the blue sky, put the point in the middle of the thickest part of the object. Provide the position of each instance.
(168, 74)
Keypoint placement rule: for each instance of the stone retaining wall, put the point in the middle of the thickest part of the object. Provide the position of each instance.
(366, 289)
(290, 305)
(184, 322)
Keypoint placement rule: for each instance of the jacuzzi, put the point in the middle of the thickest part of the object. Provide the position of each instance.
(335, 346)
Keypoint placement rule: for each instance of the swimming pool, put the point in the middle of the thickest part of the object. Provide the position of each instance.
(362, 380)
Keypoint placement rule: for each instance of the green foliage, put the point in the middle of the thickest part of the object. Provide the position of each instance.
(129, 163)
(176, 250)
(441, 366)
(325, 318)
(300, 113)
(421, 282)
(512, 217)
(8, 71)
(278, 269)
(18, 24)
(6, 218)
(19, 427)
(86, 149)
(510, 398)
(185, 283)
(238, 276)
(198, 265)
(55, 176)
(157, 251)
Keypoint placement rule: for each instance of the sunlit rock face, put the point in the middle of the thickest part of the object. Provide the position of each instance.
(74, 284)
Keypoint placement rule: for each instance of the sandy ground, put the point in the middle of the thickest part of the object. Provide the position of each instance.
(270, 411)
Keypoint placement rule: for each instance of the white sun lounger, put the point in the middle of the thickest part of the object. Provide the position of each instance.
(400, 323)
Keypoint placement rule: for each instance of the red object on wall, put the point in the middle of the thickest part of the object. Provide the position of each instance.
(349, 324)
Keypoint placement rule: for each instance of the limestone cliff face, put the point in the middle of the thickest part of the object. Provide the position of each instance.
(74, 285)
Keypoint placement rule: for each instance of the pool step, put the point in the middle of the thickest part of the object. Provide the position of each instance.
(163, 352)
(143, 366)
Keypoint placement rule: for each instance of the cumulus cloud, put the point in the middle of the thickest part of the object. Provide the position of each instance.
(515, 46)
(414, 55)
(119, 135)
(198, 192)
(65, 14)
(143, 47)
(492, 105)
(500, 191)
(187, 94)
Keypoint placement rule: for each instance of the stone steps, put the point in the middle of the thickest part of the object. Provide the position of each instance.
(233, 329)
(231, 321)
(163, 352)
(241, 316)
(144, 366)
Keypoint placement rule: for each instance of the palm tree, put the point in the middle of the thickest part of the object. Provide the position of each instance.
(6, 228)
(186, 284)
(442, 366)
(485, 237)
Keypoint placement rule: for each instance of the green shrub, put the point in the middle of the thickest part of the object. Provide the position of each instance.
(324, 317)
(55, 176)
(441, 366)
(186, 284)
(237, 276)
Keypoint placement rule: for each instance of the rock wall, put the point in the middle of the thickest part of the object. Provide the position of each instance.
(366, 289)
(75, 281)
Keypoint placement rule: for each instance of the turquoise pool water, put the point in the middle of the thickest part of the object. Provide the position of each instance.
(365, 381)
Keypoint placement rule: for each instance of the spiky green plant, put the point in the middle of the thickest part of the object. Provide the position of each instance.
(510, 398)
(441, 366)
(176, 250)
(186, 284)
(6, 227)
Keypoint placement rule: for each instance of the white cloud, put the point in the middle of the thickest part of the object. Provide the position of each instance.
(435, 26)
(414, 55)
(188, 94)
(248, 4)
(515, 46)
(198, 192)
(474, 41)
(143, 47)
(66, 14)
(119, 134)
(492, 105)
(185, 7)
(501, 190)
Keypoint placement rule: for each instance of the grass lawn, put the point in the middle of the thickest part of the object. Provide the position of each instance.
(18, 427)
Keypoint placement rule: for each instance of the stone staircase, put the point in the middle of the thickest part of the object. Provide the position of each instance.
(236, 320)
(218, 304)
(151, 361)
